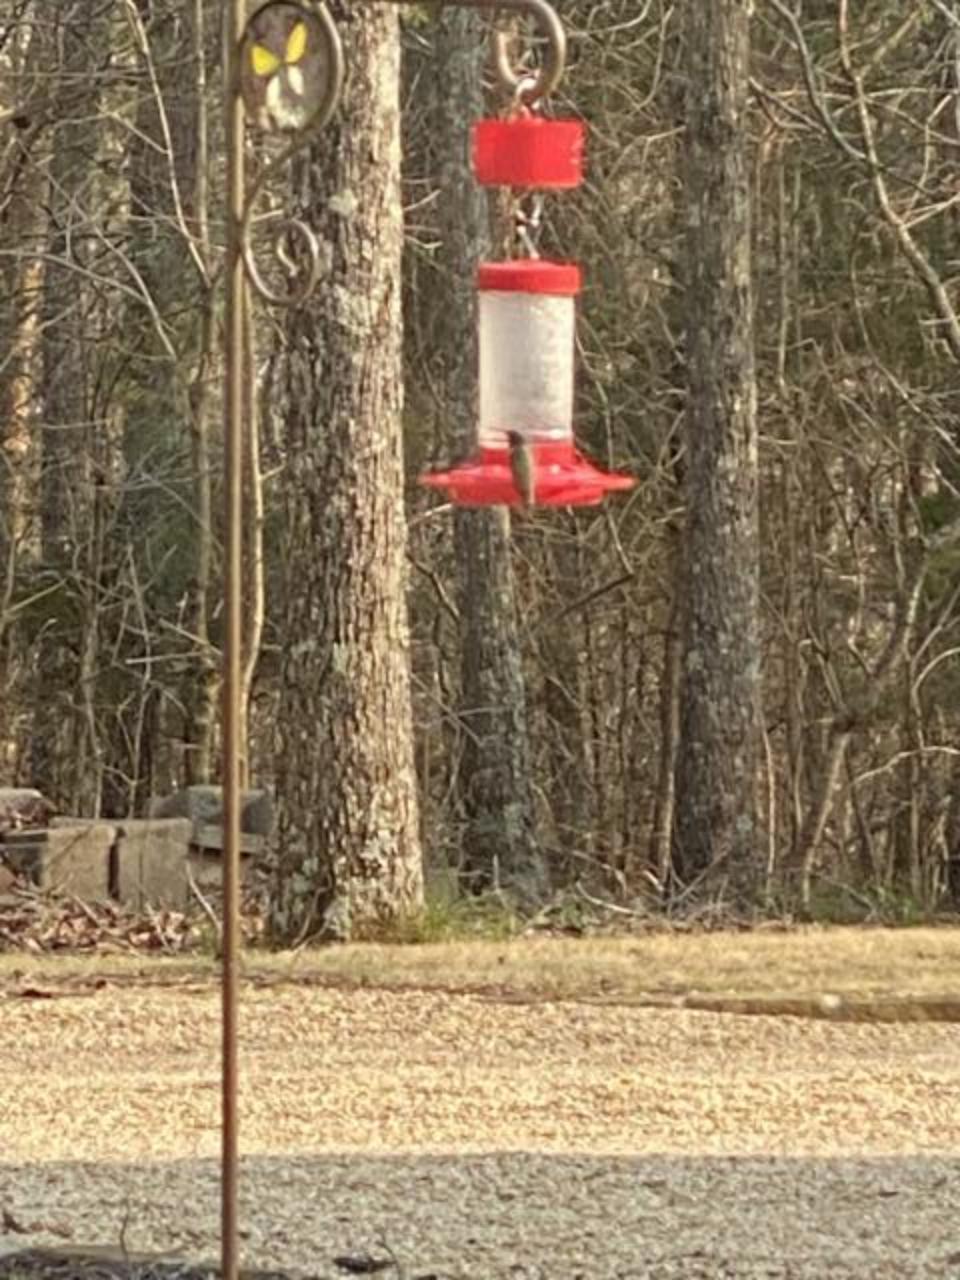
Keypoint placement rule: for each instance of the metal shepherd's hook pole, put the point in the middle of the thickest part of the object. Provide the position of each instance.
(283, 69)
(236, 306)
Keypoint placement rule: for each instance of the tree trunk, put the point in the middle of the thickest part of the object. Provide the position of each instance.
(170, 397)
(25, 178)
(66, 749)
(349, 857)
(716, 832)
(493, 779)
(665, 796)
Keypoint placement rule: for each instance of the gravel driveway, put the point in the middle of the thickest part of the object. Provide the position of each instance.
(475, 1138)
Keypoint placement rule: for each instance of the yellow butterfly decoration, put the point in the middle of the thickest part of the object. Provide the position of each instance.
(265, 61)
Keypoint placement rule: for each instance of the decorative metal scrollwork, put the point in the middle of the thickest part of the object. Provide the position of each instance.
(290, 77)
(291, 74)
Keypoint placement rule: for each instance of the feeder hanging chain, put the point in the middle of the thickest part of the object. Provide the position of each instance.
(528, 220)
(527, 206)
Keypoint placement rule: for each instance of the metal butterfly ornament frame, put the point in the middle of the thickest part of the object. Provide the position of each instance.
(313, 22)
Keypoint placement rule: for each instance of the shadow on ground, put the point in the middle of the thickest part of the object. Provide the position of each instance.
(517, 1215)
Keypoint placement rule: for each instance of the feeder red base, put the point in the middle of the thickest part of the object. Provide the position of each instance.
(564, 478)
(528, 151)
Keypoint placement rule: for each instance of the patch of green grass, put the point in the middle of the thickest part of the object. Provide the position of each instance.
(449, 919)
(832, 903)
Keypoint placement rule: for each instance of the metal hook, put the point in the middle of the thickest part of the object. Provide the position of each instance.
(550, 74)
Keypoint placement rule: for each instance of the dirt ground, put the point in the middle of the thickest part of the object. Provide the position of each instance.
(493, 1133)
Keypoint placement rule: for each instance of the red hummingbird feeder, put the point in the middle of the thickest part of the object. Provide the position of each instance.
(527, 323)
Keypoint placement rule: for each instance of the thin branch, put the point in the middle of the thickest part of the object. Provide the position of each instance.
(136, 24)
(589, 597)
(914, 255)
(439, 590)
(814, 92)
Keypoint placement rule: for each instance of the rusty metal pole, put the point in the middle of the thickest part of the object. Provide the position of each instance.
(233, 427)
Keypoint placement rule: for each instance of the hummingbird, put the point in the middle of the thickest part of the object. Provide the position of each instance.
(522, 467)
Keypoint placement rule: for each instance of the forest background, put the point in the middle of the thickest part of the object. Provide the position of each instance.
(736, 685)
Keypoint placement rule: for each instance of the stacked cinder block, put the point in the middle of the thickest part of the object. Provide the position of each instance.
(72, 859)
(203, 808)
(139, 862)
(145, 859)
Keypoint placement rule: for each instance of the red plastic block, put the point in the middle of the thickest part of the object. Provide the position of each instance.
(528, 151)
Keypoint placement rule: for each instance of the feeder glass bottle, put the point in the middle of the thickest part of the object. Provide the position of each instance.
(527, 321)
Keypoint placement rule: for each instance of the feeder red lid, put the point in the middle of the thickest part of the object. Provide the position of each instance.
(563, 478)
(528, 151)
(530, 275)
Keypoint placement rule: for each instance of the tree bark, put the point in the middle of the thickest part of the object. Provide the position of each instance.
(348, 852)
(25, 178)
(716, 833)
(66, 747)
(665, 796)
(176, 345)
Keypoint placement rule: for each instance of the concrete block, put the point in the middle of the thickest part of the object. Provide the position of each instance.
(65, 858)
(150, 862)
(204, 807)
(210, 839)
(256, 813)
(206, 868)
(23, 808)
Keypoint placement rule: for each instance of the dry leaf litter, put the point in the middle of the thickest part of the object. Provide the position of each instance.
(39, 922)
